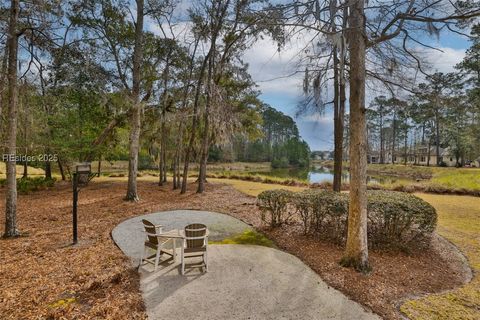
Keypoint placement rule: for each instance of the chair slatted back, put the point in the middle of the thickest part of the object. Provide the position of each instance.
(195, 230)
(150, 231)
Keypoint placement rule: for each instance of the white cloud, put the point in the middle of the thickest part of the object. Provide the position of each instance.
(275, 71)
(446, 60)
(320, 119)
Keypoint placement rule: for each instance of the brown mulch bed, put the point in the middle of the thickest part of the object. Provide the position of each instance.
(43, 276)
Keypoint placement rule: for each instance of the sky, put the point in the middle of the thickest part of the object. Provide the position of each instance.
(281, 86)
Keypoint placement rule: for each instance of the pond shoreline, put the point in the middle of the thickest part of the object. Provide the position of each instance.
(412, 172)
(422, 186)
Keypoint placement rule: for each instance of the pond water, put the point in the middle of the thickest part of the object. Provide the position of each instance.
(319, 174)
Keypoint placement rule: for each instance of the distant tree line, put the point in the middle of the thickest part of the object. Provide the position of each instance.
(279, 142)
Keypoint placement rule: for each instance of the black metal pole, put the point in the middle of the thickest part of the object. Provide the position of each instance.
(74, 211)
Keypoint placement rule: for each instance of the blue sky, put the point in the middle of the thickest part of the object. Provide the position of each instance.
(270, 69)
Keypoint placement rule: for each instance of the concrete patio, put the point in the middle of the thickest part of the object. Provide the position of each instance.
(243, 282)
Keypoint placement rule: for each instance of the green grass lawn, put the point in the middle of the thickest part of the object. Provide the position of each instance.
(447, 177)
(457, 178)
(459, 222)
(431, 179)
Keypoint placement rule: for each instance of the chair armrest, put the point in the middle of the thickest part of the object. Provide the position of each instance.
(158, 235)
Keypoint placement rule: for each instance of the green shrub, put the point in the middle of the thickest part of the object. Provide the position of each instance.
(280, 163)
(273, 205)
(395, 219)
(303, 203)
(322, 212)
(329, 211)
(26, 185)
(398, 218)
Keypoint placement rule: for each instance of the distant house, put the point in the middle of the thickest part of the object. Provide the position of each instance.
(373, 157)
(322, 155)
(420, 157)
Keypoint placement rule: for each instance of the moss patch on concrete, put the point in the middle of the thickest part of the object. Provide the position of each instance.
(247, 237)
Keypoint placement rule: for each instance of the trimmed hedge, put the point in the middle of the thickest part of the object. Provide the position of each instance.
(395, 219)
(273, 206)
(399, 217)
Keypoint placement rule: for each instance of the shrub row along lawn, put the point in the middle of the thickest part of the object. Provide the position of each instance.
(395, 219)
(459, 222)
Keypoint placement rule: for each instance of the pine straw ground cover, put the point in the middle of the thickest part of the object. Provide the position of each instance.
(43, 277)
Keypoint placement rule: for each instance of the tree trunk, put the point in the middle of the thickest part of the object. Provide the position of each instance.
(164, 169)
(135, 124)
(406, 147)
(356, 251)
(394, 134)
(415, 151)
(99, 168)
(25, 169)
(23, 106)
(160, 160)
(338, 135)
(161, 156)
(176, 160)
(48, 167)
(382, 138)
(428, 153)
(2, 86)
(213, 78)
(60, 167)
(132, 194)
(343, 99)
(202, 176)
(177, 173)
(183, 184)
(191, 141)
(423, 134)
(11, 194)
(174, 169)
(163, 140)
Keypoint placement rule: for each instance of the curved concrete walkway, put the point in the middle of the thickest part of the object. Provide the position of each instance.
(243, 282)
